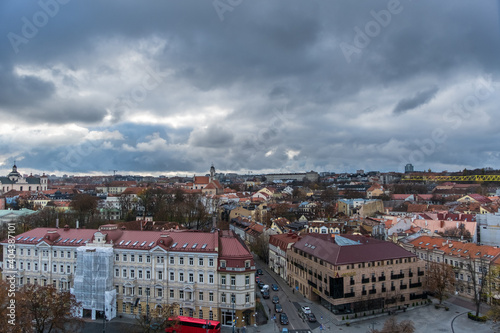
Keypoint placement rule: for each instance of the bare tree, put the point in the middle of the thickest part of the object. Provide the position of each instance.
(157, 320)
(260, 246)
(477, 277)
(440, 280)
(493, 293)
(46, 310)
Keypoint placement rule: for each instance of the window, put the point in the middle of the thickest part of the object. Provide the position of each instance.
(68, 269)
(247, 264)
(223, 298)
(172, 276)
(191, 277)
(172, 262)
(140, 258)
(61, 269)
(55, 253)
(159, 292)
(132, 274)
(159, 260)
(148, 275)
(139, 291)
(233, 298)
(181, 312)
(191, 261)
(247, 280)
(200, 261)
(54, 268)
(181, 277)
(211, 262)
(160, 275)
(181, 260)
(132, 258)
(117, 257)
(124, 273)
(247, 298)
(200, 296)
(124, 257)
(140, 274)
(200, 314)
(200, 278)
(210, 315)
(233, 280)
(222, 264)
(223, 279)
(211, 296)
(171, 293)
(210, 278)
(181, 294)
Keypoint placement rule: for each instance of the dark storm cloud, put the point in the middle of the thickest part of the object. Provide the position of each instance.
(420, 98)
(265, 87)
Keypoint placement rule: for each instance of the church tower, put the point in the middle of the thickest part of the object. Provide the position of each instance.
(212, 173)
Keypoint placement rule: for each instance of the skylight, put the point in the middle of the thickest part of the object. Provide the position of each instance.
(478, 253)
(39, 239)
(194, 245)
(185, 244)
(142, 244)
(151, 244)
(135, 243)
(27, 238)
(174, 245)
(78, 241)
(67, 239)
(121, 242)
(420, 243)
(204, 246)
(19, 238)
(73, 240)
(127, 243)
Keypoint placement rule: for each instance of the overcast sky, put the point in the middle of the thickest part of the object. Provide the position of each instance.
(167, 87)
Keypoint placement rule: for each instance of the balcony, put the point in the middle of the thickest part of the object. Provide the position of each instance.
(416, 285)
(365, 280)
(363, 292)
(403, 286)
(374, 279)
(381, 278)
(372, 291)
(410, 274)
(351, 282)
(420, 273)
(348, 295)
(384, 290)
(393, 288)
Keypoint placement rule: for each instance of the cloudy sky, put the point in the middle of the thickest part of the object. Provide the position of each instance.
(167, 87)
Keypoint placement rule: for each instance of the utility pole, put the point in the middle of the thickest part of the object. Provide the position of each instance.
(234, 314)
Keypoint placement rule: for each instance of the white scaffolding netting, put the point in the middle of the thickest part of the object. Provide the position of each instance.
(93, 285)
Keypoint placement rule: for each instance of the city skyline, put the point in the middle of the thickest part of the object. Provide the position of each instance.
(171, 88)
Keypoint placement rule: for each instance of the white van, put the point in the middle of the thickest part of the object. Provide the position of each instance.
(265, 288)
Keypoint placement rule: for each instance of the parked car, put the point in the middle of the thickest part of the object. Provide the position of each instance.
(284, 330)
(276, 299)
(265, 287)
(265, 294)
(305, 309)
(256, 278)
(311, 317)
(274, 287)
(283, 319)
(259, 272)
(278, 308)
(260, 284)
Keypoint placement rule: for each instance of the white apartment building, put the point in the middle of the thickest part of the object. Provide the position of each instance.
(207, 275)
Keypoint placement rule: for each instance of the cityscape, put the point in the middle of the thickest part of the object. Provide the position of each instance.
(249, 166)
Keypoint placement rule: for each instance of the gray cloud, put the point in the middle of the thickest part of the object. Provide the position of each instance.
(267, 88)
(420, 98)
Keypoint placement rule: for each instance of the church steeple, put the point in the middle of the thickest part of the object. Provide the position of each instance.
(212, 173)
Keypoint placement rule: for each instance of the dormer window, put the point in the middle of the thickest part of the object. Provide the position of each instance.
(222, 264)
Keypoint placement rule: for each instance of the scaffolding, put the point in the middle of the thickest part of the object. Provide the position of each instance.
(93, 285)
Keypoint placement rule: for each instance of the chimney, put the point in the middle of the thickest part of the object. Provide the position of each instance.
(77, 224)
(57, 223)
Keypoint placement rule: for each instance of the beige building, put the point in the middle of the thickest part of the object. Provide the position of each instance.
(204, 275)
(351, 274)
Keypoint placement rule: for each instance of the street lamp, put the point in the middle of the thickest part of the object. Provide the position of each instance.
(233, 298)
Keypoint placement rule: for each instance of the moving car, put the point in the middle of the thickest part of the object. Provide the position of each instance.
(274, 287)
(311, 317)
(278, 308)
(305, 309)
(283, 319)
(276, 299)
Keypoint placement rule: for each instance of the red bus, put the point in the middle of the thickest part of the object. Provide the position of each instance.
(193, 325)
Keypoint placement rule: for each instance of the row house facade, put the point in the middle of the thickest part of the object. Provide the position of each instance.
(278, 246)
(350, 274)
(208, 275)
(471, 262)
